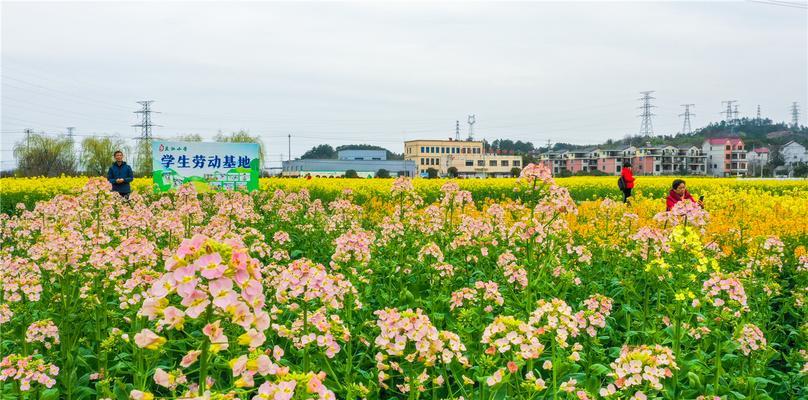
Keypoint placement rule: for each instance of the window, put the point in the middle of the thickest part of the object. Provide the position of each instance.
(457, 150)
(477, 151)
(517, 163)
(442, 150)
(617, 169)
(469, 163)
(492, 163)
(504, 163)
(463, 150)
(657, 168)
(422, 161)
(727, 156)
(480, 163)
(422, 149)
(729, 147)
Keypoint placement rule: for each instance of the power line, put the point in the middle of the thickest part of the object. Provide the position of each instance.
(802, 6)
(61, 93)
(646, 126)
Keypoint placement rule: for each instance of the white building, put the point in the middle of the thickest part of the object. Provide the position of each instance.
(758, 156)
(793, 153)
(757, 159)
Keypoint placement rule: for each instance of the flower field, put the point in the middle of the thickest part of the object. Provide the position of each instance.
(31, 190)
(529, 288)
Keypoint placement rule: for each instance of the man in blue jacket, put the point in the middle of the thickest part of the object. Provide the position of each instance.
(119, 175)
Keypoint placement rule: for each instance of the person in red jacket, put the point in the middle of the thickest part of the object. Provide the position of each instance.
(679, 193)
(628, 181)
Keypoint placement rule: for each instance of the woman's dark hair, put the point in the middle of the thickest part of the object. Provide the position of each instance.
(677, 182)
(626, 164)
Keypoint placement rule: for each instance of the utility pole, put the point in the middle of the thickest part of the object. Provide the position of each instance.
(646, 126)
(290, 147)
(795, 115)
(28, 140)
(687, 114)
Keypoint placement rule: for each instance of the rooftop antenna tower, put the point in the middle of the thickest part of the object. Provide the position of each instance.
(795, 115)
(472, 120)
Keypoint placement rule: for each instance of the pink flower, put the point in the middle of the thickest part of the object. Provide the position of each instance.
(186, 280)
(173, 317)
(210, 265)
(190, 358)
(196, 302)
(162, 378)
(252, 338)
(512, 367)
(277, 353)
(147, 339)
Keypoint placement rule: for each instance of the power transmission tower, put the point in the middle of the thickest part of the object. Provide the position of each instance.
(728, 114)
(687, 114)
(795, 115)
(144, 151)
(757, 116)
(472, 121)
(457, 130)
(646, 126)
(290, 147)
(145, 124)
(735, 113)
(70, 132)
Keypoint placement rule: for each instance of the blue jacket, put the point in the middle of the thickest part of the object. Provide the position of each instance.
(123, 171)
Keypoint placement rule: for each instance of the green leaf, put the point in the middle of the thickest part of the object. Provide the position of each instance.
(693, 379)
(598, 369)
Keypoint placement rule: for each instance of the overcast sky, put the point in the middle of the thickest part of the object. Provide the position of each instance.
(342, 73)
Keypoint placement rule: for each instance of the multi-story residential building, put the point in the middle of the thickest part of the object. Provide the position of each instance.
(645, 160)
(793, 153)
(692, 159)
(468, 157)
(726, 156)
